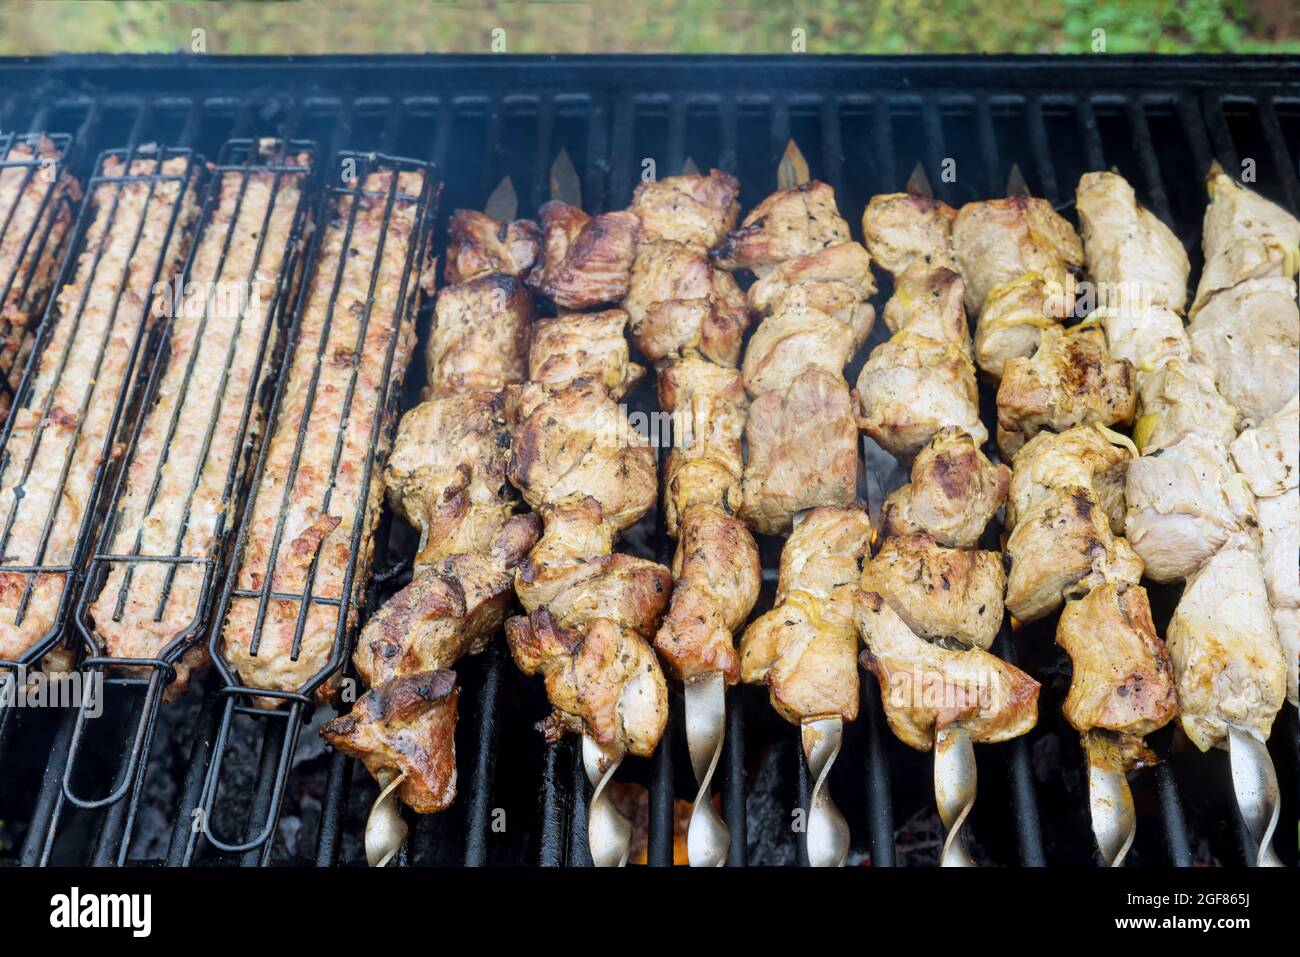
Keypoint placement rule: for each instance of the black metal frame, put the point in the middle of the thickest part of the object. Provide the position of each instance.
(862, 122)
(71, 571)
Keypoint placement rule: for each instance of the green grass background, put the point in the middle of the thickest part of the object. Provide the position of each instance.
(668, 26)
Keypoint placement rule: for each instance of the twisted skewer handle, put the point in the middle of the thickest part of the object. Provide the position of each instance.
(609, 833)
(828, 832)
(1114, 821)
(707, 837)
(386, 829)
(1254, 779)
(954, 791)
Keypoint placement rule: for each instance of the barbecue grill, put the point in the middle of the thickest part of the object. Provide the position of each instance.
(267, 786)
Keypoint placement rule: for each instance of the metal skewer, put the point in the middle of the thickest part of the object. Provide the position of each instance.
(954, 791)
(707, 838)
(609, 833)
(1254, 782)
(1110, 802)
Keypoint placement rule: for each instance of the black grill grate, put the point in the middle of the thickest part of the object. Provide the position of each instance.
(862, 124)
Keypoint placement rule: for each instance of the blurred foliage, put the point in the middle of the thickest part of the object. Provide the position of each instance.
(671, 26)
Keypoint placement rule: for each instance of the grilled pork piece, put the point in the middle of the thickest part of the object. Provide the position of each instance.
(1244, 237)
(925, 688)
(930, 303)
(1183, 505)
(61, 437)
(1178, 399)
(942, 593)
(450, 610)
(1127, 246)
(834, 282)
(999, 240)
(1081, 456)
(299, 535)
(1123, 680)
(954, 493)
(587, 345)
(1268, 455)
(1062, 547)
(466, 353)
(1071, 380)
(482, 246)
(407, 725)
(804, 648)
(587, 261)
(1224, 644)
(681, 304)
(787, 224)
(37, 211)
(1250, 336)
(695, 211)
(195, 436)
(905, 230)
(911, 387)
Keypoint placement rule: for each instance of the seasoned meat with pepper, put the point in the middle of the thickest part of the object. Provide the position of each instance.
(479, 339)
(1071, 380)
(905, 230)
(482, 246)
(954, 493)
(804, 648)
(789, 223)
(1224, 644)
(588, 345)
(694, 210)
(587, 261)
(1268, 455)
(1179, 399)
(405, 726)
(925, 687)
(1082, 456)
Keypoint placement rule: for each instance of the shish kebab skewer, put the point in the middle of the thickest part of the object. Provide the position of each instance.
(1060, 390)
(812, 287)
(931, 602)
(1191, 515)
(689, 317)
(446, 476)
(591, 611)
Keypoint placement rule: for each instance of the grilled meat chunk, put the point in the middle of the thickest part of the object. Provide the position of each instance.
(174, 499)
(587, 261)
(37, 211)
(1000, 240)
(693, 210)
(681, 304)
(1279, 522)
(905, 230)
(802, 451)
(301, 522)
(1147, 337)
(835, 281)
(577, 443)
(450, 610)
(1183, 505)
(1071, 380)
(804, 647)
(479, 340)
(785, 346)
(482, 246)
(708, 406)
(1128, 248)
(911, 387)
(1227, 658)
(1250, 336)
(787, 224)
(941, 593)
(1244, 237)
(1268, 455)
(1062, 547)
(716, 579)
(954, 493)
(447, 473)
(602, 680)
(1123, 680)
(1011, 326)
(1287, 621)
(586, 345)
(925, 687)
(405, 726)
(1179, 399)
(61, 436)
(1081, 456)
(931, 303)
